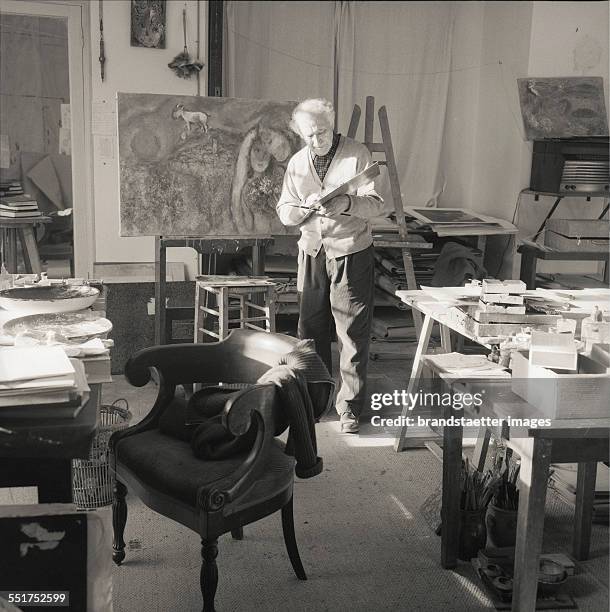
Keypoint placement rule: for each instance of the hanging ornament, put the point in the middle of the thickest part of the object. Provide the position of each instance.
(102, 57)
(182, 64)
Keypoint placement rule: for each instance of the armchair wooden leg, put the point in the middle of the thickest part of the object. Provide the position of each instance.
(208, 578)
(238, 534)
(291, 541)
(119, 518)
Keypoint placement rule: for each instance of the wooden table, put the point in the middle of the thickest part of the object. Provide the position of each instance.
(432, 311)
(582, 441)
(10, 230)
(40, 451)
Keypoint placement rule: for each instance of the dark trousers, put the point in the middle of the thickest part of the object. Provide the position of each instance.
(341, 289)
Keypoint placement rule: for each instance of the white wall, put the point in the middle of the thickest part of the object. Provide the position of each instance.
(484, 150)
(567, 39)
(135, 70)
(486, 158)
(462, 105)
(499, 147)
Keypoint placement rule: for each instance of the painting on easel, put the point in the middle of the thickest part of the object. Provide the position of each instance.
(202, 166)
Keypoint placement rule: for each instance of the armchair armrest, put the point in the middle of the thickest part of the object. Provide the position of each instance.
(179, 364)
(253, 404)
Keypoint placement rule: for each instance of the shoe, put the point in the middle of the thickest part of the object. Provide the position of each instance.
(349, 423)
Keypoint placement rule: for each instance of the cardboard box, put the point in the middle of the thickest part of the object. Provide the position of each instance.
(552, 350)
(579, 395)
(575, 235)
(601, 354)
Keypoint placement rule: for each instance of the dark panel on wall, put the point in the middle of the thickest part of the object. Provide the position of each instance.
(133, 327)
(215, 29)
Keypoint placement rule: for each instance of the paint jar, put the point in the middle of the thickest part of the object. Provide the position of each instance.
(501, 526)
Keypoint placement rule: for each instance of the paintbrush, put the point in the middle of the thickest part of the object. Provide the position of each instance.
(345, 214)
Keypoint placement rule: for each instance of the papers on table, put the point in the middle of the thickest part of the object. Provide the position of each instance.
(467, 366)
(93, 347)
(459, 222)
(453, 296)
(40, 381)
(31, 363)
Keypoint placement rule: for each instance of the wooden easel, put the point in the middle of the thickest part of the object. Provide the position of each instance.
(385, 147)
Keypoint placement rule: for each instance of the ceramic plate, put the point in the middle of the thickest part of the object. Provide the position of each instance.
(50, 299)
(66, 327)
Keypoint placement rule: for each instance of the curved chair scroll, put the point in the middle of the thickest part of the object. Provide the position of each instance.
(210, 497)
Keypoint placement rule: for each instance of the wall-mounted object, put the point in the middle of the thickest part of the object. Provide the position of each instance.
(148, 23)
(569, 107)
(183, 65)
(102, 56)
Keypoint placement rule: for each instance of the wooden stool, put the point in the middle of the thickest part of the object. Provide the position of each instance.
(10, 230)
(233, 293)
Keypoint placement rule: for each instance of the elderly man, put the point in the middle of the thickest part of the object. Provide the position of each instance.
(336, 264)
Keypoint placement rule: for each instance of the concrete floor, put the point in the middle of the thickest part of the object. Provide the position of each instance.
(364, 540)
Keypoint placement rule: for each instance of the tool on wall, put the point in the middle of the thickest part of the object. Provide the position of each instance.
(198, 44)
(102, 57)
(182, 64)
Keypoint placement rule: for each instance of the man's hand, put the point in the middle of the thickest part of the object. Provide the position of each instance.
(311, 201)
(335, 207)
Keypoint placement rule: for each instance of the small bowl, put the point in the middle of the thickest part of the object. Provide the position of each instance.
(550, 571)
(48, 299)
(551, 575)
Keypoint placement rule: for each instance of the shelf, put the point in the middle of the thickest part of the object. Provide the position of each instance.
(542, 253)
(575, 194)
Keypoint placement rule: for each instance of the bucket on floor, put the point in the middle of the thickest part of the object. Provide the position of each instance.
(92, 482)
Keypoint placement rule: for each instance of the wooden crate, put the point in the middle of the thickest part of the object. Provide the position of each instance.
(579, 395)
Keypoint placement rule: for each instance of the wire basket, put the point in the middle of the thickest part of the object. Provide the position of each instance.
(92, 482)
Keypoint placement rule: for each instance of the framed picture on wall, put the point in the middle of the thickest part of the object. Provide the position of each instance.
(148, 23)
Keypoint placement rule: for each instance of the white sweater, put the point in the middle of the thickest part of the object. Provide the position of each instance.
(340, 235)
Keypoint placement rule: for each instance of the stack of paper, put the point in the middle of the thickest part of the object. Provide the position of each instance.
(459, 222)
(40, 379)
(19, 206)
(10, 188)
(563, 480)
(503, 297)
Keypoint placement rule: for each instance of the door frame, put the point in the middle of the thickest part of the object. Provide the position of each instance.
(79, 57)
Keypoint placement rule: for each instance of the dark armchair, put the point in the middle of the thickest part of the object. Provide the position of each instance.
(211, 497)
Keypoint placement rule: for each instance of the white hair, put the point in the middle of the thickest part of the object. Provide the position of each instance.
(315, 107)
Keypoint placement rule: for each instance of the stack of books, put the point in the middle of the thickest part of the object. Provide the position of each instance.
(41, 382)
(19, 207)
(10, 188)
